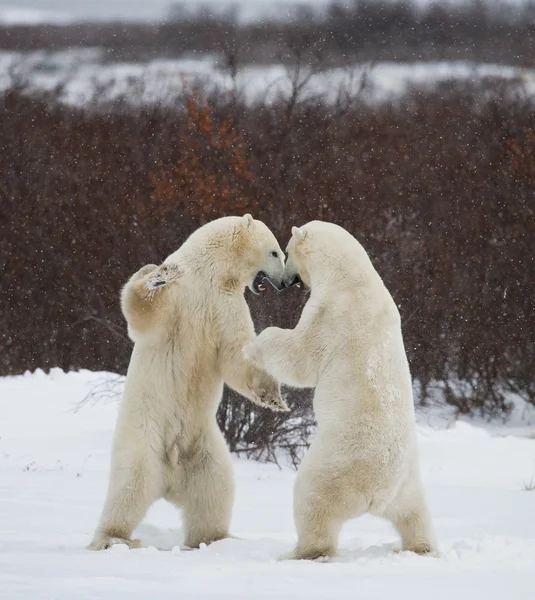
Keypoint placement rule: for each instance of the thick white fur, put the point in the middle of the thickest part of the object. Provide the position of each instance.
(189, 321)
(348, 345)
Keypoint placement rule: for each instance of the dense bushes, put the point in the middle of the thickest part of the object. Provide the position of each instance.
(440, 190)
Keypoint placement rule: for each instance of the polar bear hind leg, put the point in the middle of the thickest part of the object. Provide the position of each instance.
(206, 493)
(321, 506)
(132, 490)
(410, 516)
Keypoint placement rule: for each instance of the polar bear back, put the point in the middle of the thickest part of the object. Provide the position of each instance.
(354, 325)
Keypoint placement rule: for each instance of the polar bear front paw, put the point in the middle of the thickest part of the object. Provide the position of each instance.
(269, 397)
(165, 275)
(105, 542)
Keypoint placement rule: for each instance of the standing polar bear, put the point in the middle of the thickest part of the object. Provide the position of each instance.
(348, 345)
(189, 321)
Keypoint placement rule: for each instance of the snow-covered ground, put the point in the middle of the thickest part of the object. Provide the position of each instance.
(83, 75)
(53, 474)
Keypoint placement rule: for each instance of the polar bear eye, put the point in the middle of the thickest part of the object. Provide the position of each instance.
(275, 254)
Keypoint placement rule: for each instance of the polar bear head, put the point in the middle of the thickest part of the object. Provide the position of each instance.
(233, 253)
(320, 252)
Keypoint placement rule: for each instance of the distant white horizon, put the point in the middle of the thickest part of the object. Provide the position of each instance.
(61, 11)
(27, 11)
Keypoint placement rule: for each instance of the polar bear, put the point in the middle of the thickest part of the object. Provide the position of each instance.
(348, 345)
(189, 321)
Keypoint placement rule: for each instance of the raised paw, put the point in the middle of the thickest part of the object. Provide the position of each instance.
(269, 398)
(165, 275)
(105, 542)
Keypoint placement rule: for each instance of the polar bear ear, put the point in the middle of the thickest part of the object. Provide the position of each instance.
(299, 233)
(247, 220)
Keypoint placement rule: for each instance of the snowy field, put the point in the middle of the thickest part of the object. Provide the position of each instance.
(83, 76)
(53, 475)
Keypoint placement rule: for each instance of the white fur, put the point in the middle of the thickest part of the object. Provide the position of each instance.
(189, 321)
(348, 345)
